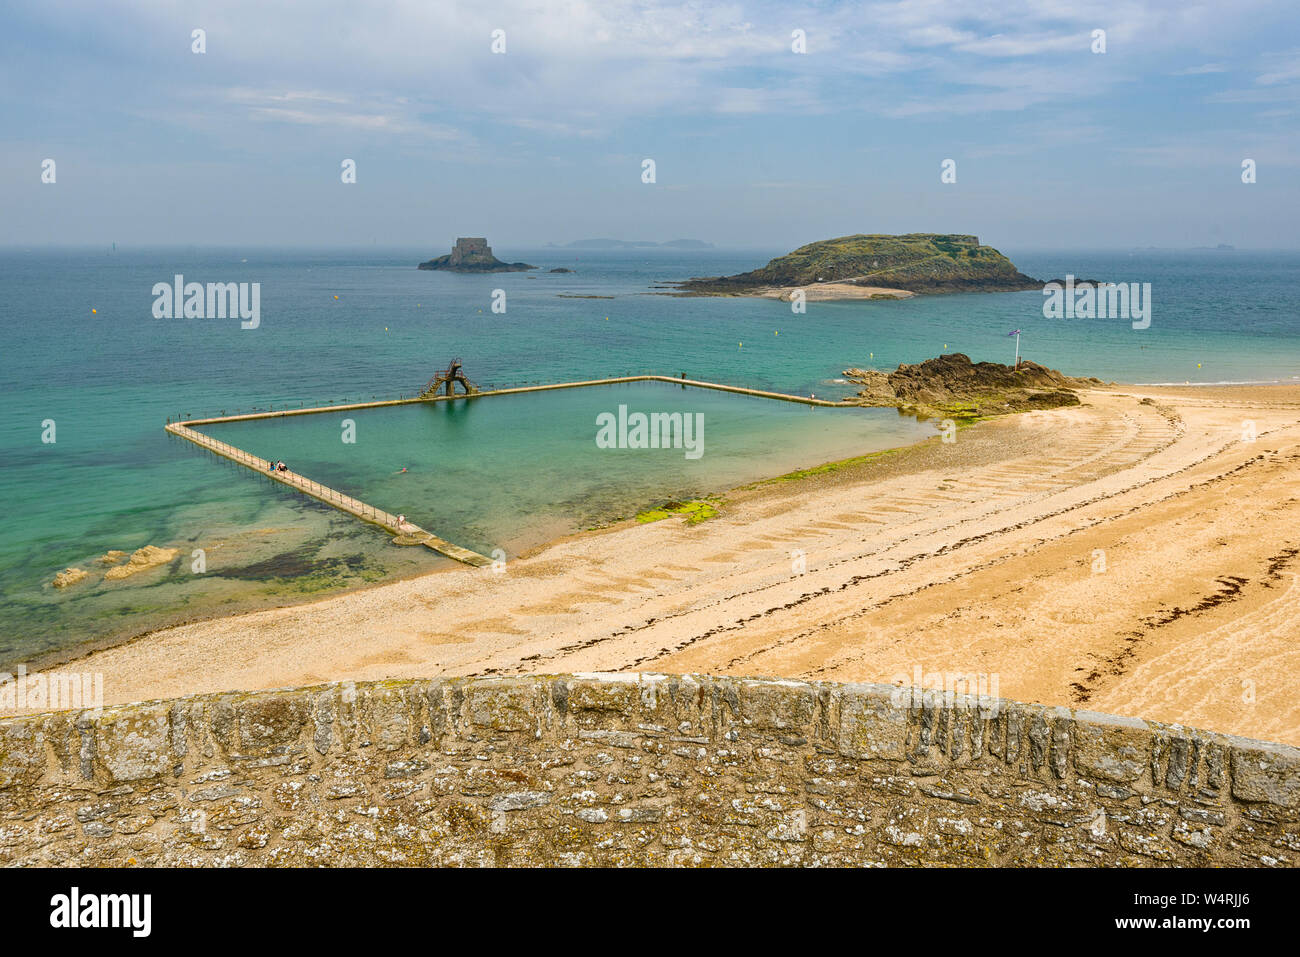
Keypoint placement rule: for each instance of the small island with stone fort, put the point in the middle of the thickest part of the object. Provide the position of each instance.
(473, 254)
(873, 267)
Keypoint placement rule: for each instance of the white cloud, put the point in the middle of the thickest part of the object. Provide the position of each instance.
(338, 111)
(1283, 68)
(1030, 45)
(1204, 69)
(582, 67)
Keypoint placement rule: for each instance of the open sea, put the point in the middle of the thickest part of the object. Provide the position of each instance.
(85, 363)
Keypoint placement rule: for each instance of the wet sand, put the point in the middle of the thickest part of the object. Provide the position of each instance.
(1135, 555)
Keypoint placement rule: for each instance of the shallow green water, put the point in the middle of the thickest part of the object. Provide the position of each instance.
(511, 471)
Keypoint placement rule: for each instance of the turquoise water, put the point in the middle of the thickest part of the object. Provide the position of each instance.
(108, 379)
(509, 472)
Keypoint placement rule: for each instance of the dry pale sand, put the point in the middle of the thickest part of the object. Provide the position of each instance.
(831, 291)
(1127, 556)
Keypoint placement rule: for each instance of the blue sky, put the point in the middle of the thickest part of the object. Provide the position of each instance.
(754, 144)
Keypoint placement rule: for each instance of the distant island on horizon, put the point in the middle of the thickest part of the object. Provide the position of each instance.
(473, 254)
(873, 266)
(1221, 247)
(631, 244)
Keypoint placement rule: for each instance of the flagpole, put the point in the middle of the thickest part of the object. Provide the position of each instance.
(1017, 365)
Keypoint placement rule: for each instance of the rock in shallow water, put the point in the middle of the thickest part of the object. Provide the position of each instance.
(141, 559)
(952, 385)
(69, 576)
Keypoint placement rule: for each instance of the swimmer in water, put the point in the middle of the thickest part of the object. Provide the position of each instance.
(400, 471)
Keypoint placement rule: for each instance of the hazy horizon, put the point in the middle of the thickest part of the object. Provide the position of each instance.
(714, 247)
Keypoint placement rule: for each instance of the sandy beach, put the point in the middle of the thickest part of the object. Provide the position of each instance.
(1136, 555)
(833, 291)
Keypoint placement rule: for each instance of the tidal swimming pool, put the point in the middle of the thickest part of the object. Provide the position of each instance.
(512, 471)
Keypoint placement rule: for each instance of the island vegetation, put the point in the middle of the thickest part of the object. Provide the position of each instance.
(874, 267)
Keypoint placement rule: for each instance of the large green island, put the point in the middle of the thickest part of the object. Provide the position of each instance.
(874, 267)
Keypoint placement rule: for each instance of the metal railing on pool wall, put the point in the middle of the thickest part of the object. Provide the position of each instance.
(483, 386)
(293, 479)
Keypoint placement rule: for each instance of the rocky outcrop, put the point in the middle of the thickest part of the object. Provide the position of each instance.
(953, 386)
(69, 576)
(473, 254)
(612, 770)
(914, 262)
(141, 559)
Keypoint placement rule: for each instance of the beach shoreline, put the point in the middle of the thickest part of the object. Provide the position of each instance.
(832, 292)
(58, 657)
(979, 556)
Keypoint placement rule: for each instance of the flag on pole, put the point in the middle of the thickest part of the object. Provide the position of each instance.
(1014, 332)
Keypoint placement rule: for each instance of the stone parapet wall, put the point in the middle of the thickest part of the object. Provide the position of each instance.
(622, 769)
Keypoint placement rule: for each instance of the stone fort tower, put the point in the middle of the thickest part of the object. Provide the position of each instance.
(470, 251)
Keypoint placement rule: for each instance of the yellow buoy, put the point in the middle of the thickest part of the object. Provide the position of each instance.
(775, 333)
(1198, 365)
(336, 297)
(93, 311)
(740, 345)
